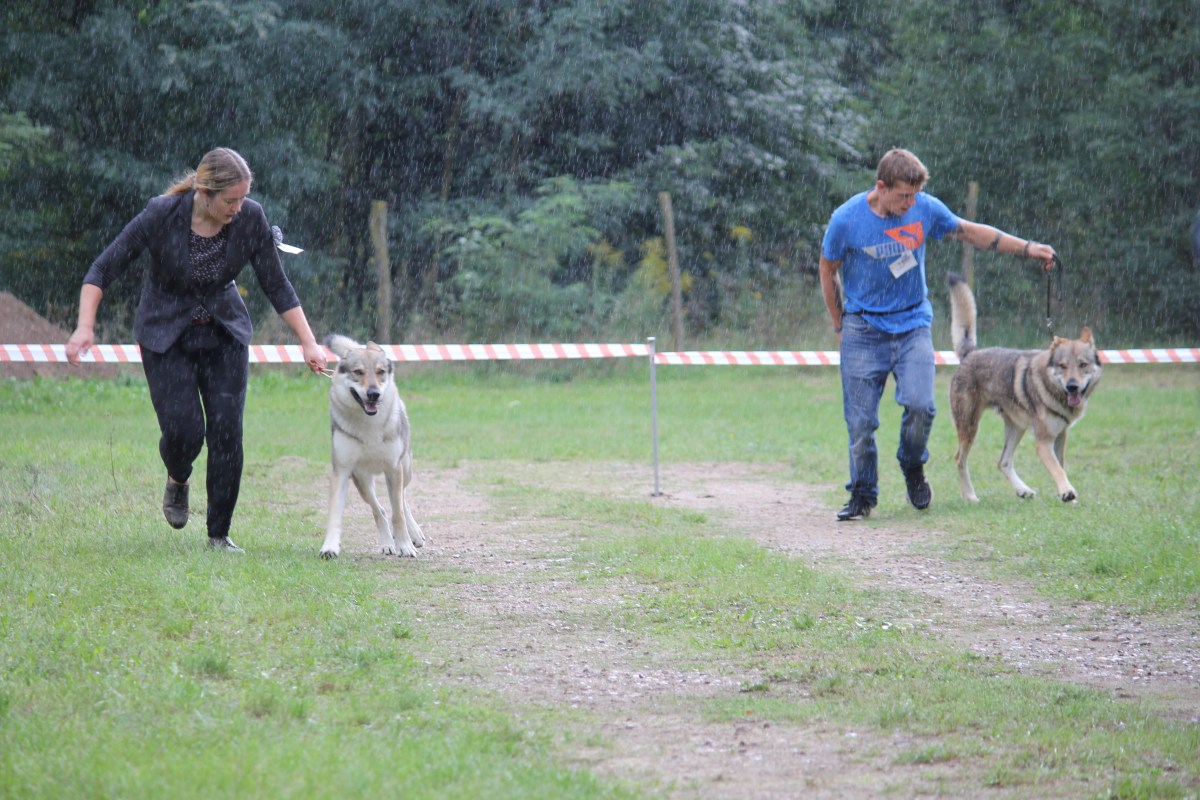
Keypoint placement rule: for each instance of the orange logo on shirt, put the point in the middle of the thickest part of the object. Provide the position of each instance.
(911, 236)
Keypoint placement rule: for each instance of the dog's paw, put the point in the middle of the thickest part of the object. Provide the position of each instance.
(408, 551)
(388, 549)
(328, 553)
(1069, 496)
(1026, 493)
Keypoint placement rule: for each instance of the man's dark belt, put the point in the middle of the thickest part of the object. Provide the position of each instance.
(913, 307)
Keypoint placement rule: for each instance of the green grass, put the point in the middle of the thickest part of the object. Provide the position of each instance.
(836, 655)
(1134, 536)
(135, 663)
(138, 667)
(1132, 539)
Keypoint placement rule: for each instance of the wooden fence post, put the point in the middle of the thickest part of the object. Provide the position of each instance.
(383, 271)
(968, 252)
(664, 201)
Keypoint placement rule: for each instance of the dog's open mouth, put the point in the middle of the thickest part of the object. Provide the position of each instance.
(1074, 396)
(371, 407)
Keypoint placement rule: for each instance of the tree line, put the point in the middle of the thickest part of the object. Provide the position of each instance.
(521, 146)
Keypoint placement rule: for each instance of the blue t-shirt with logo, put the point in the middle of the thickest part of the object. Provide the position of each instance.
(883, 259)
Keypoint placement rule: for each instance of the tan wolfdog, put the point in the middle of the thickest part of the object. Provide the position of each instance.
(1045, 391)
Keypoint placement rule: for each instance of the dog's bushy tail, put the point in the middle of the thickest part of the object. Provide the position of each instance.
(962, 315)
(341, 345)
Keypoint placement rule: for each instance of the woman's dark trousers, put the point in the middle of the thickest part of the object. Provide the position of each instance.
(198, 388)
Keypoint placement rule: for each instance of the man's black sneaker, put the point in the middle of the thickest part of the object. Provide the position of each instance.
(175, 503)
(859, 507)
(920, 493)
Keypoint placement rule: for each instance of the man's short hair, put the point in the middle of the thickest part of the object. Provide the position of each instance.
(901, 166)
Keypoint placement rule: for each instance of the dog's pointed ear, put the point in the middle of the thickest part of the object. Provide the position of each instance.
(373, 346)
(1086, 335)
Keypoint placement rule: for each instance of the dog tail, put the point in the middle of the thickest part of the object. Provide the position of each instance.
(962, 315)
(341, 345)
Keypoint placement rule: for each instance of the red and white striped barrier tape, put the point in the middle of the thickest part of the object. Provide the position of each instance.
(56, 354)
(292, 354)
(1169, 355)
(811, 358)
(511, 352)
(756, 358)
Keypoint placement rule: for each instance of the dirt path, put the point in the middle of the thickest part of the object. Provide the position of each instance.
(524, 634)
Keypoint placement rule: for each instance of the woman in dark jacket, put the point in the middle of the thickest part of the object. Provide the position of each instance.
(192, 326)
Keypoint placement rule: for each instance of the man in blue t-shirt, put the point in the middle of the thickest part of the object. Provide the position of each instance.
(877, 240)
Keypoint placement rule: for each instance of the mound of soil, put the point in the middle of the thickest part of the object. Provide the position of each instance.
(20, 324)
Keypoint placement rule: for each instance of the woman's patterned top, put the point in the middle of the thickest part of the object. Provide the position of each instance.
(206, 255)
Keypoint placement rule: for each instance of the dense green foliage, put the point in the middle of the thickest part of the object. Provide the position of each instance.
(522, 146)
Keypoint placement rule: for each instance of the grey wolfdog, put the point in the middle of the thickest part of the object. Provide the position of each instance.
(370, 436)
(1045, 391)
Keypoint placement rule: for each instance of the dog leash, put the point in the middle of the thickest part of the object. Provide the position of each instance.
(1053, 277)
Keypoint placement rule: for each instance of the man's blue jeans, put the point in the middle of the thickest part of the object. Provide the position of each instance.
(868, 356)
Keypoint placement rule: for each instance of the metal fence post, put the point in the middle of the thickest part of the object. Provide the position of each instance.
(654, 415)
